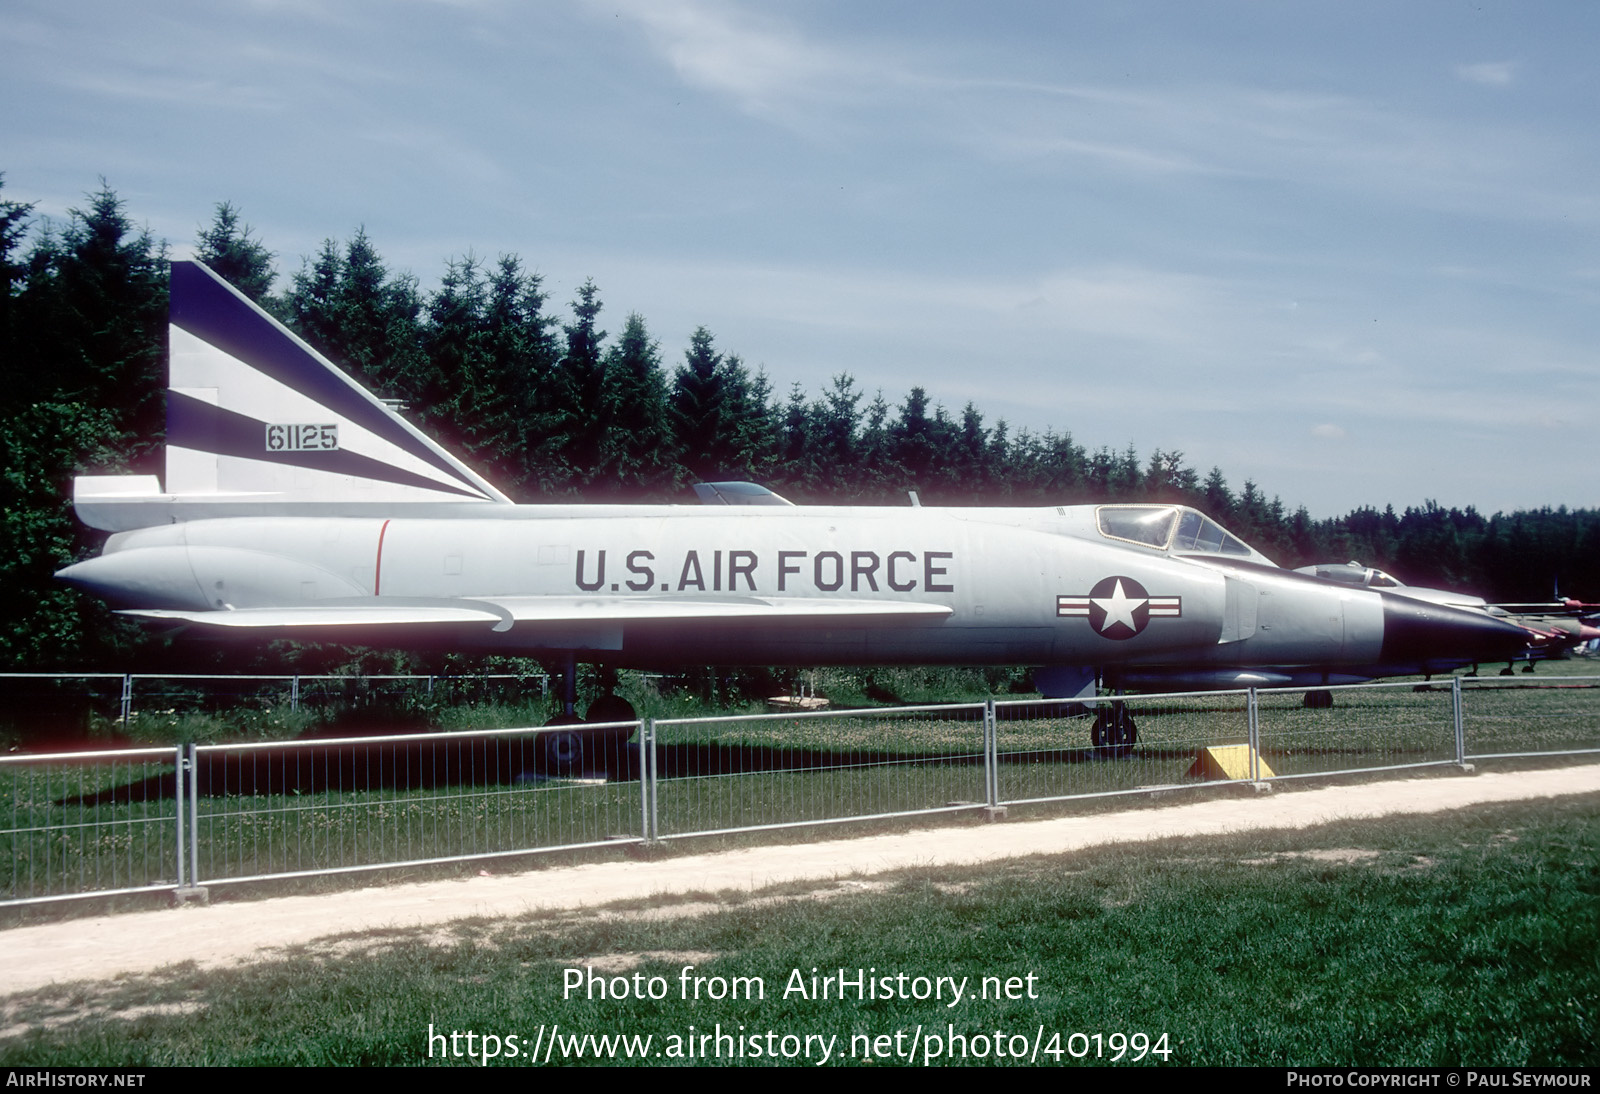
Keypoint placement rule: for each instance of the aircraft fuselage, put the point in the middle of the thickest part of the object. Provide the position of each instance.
(668, 588)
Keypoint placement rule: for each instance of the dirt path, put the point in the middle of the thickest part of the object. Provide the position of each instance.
(100, 948)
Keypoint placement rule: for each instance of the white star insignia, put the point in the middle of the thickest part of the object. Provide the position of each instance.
(1119, 608)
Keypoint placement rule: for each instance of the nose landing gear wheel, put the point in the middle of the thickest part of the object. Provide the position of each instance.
(1114, 733)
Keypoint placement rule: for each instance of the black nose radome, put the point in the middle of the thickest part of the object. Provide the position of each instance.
(1416, 632)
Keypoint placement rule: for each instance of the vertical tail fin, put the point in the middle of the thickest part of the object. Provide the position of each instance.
(258, 420)
(251, 409)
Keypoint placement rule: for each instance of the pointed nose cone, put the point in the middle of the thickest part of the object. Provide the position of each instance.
(1426, 635)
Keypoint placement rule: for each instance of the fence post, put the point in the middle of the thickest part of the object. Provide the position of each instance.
(647, 780)
(180, 765)
(294, 693)
(991, 773)
(187, 792)
(1255, 736)
(127, 699)
(1461, 726)
(193, 765)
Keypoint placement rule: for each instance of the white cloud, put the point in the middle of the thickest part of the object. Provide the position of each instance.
(1488, 73)
(1328, 431)
(168, 88)
(758, 60)
(784, 72)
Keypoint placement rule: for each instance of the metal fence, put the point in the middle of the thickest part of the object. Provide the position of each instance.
(1368, 727)
(1509, 717)
(714, 775)
(174, 818)
(1046, 751)
(93, 823)
(147, 704)
(360, 803)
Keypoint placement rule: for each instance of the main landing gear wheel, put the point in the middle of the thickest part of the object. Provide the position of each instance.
(563, 748)
(611, 708)
(608, 747)
(1318, 700)
(1113, 732)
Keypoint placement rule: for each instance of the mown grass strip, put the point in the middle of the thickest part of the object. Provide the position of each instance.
(1402, 941)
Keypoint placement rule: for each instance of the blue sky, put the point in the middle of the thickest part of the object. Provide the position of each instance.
(1347, 250)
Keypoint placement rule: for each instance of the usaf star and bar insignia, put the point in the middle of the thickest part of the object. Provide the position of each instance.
(1119, 607)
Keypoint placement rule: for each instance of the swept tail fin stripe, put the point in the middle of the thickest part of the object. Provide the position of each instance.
(202, 371)
(208, 308)
(205, 428)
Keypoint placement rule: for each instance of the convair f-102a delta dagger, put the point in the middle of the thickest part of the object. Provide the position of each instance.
(298, 505)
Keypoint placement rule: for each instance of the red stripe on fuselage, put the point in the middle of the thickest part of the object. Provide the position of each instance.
(377, 569)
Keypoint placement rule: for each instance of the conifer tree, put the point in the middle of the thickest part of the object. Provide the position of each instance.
(698, 407)
(911, 441)
(755, 419)
(969, 468)
(1216, 499)
(347, 305)
(87, 311)
(520, 360)
(879, 478)
(14, 218)
(582, 383)
(91, 323)
(450, 383)
(837, 418)
(637, 442)
(227, 248)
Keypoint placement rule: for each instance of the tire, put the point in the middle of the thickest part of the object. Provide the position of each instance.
(563, 748)
(611, 708)
(608, 747)
(1318, 700)
(563, 752)
(1114, 732)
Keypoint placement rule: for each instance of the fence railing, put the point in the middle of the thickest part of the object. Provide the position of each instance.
(93, 823)
(714, 775)
(132, 703)
(1514, 717)
(174, 818)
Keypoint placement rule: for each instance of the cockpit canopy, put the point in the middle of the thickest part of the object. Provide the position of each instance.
(1174, 528)
(737, 493)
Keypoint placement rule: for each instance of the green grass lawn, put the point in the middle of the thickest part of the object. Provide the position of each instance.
(1400, 941)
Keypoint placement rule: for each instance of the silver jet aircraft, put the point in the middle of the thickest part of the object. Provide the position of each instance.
(298, 505)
